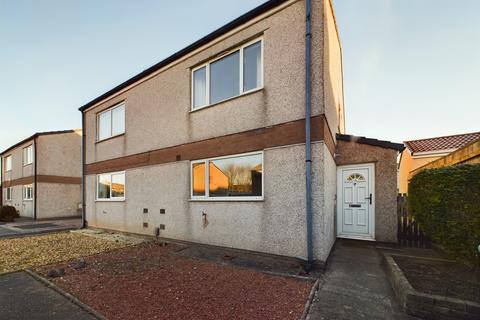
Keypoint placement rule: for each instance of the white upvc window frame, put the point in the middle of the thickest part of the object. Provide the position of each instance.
(27, 155)
(207, 197)
(8, 163)
(8, 194)
(241, 82)
(110, 110)
(111, 199)
(28, 196)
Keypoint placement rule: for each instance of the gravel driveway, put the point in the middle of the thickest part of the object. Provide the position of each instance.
(149, 281)
(26, 252)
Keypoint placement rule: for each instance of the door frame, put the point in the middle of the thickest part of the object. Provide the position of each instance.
(371, 186)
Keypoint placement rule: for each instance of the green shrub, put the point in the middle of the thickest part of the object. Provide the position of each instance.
(8, 213)
(446, 203)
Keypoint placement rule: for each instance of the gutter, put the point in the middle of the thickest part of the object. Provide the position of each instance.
(35, 178)
(84, 221)
(308, 146)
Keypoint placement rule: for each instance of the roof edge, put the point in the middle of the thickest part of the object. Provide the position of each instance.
(440, 137)
(373, 142)
(35, 135)
(197, 44)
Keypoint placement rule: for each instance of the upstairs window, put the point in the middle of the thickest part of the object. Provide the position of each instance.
(28, 155)
(234, 74)
(111, 123)
(8, 163)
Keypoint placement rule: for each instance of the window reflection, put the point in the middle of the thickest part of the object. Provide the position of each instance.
(104, 186)
(225, 78)
(198, 181)
(118, 185)
(233, 177)
(252, 57)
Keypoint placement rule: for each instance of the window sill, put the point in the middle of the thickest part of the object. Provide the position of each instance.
(110, 138)
(28, 200)
(226, 200)
(227, 100)
(109, 200)
(27, 164)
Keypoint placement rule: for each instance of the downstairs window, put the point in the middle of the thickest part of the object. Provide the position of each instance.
(111, 186)
(238, 177)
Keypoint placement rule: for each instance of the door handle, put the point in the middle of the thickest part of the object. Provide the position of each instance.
(370, 198)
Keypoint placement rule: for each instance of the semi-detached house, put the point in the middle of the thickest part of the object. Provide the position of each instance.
(212, 145)
(41, 175)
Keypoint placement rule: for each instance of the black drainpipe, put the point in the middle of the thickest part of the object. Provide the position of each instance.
(35, 178)
(84, 221)
(308, 151)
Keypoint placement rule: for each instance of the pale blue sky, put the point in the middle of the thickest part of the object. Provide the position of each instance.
(412, 67)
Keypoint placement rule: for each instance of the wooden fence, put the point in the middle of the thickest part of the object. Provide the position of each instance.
(409, 233)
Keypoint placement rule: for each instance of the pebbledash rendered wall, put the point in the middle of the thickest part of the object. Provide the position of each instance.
(58, 173)
(275, 225)
(19, 171)
(59, 155)
(158, 115)
(385, 161)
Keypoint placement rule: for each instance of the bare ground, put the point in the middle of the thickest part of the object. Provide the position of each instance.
(149, 281)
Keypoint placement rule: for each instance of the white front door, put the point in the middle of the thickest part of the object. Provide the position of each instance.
(355, 202)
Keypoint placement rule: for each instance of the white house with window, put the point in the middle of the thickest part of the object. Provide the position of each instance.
(210, 145)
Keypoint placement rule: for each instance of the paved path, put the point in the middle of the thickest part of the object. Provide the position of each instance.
(23, 226)
(22, 298)
(355, 286)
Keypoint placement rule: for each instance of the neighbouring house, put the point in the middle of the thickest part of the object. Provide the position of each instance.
(419, 153)
(41, 175)
(238, 140)
(470, 154)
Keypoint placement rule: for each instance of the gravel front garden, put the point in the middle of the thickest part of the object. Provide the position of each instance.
(150, 281)
(27, 252)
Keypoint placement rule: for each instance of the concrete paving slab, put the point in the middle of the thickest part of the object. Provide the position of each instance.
(355, 286)
(6, 232)
(24, 227)
(244, 259)
(22, 297)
